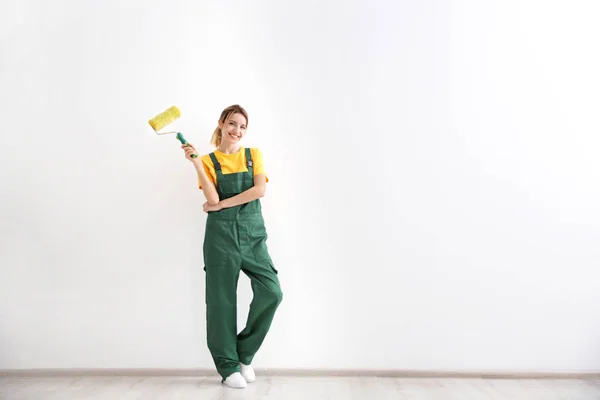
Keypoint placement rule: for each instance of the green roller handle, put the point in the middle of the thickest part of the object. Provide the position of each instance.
(184, 142)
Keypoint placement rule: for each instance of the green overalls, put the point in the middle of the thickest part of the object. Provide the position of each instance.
(235, 240)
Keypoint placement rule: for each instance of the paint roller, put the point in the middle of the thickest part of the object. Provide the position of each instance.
(165, 118)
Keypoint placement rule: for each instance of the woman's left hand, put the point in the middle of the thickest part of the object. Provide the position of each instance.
(208, 208)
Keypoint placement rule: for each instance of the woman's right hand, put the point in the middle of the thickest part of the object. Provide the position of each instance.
(189, 150)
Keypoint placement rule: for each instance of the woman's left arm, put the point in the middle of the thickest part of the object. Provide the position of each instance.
(255, 192)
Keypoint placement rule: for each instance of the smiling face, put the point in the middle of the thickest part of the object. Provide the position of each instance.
(233, 130)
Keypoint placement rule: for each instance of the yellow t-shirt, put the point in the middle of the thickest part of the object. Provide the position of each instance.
(232, 163)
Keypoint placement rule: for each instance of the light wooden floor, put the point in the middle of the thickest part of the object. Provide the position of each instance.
(297, 388)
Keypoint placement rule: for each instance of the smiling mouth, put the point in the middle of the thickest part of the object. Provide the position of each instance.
(234, 136)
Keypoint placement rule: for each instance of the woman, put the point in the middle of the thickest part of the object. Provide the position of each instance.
(233, 180)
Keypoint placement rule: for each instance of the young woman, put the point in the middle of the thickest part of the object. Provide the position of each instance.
(233, 180)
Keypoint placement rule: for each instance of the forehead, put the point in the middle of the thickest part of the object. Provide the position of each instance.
(239, 118)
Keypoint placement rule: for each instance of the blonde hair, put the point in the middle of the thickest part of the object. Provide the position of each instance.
(224, 118)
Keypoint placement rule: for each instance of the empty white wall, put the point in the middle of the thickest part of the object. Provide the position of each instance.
(434, 195)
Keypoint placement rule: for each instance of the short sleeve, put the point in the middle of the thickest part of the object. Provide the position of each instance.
(257, 162)
(208, 168)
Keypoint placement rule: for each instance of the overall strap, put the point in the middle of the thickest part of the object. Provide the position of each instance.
(249, 163)
(217, 165)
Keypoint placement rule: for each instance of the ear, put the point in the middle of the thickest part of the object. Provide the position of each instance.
(220, 124)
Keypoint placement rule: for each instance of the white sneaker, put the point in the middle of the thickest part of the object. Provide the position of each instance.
(247, 372)
(235, 380)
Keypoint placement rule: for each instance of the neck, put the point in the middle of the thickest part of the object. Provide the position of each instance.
(229, 148)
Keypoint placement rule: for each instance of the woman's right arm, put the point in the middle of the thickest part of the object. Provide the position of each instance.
(208, 187)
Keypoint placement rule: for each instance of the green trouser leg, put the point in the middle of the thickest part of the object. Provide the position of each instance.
(267, 296)
(235, 246)
(221, 317)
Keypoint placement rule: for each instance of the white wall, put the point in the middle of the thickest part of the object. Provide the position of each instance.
(434, 195)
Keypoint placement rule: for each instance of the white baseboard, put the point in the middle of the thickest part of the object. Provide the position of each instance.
(165, 372)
